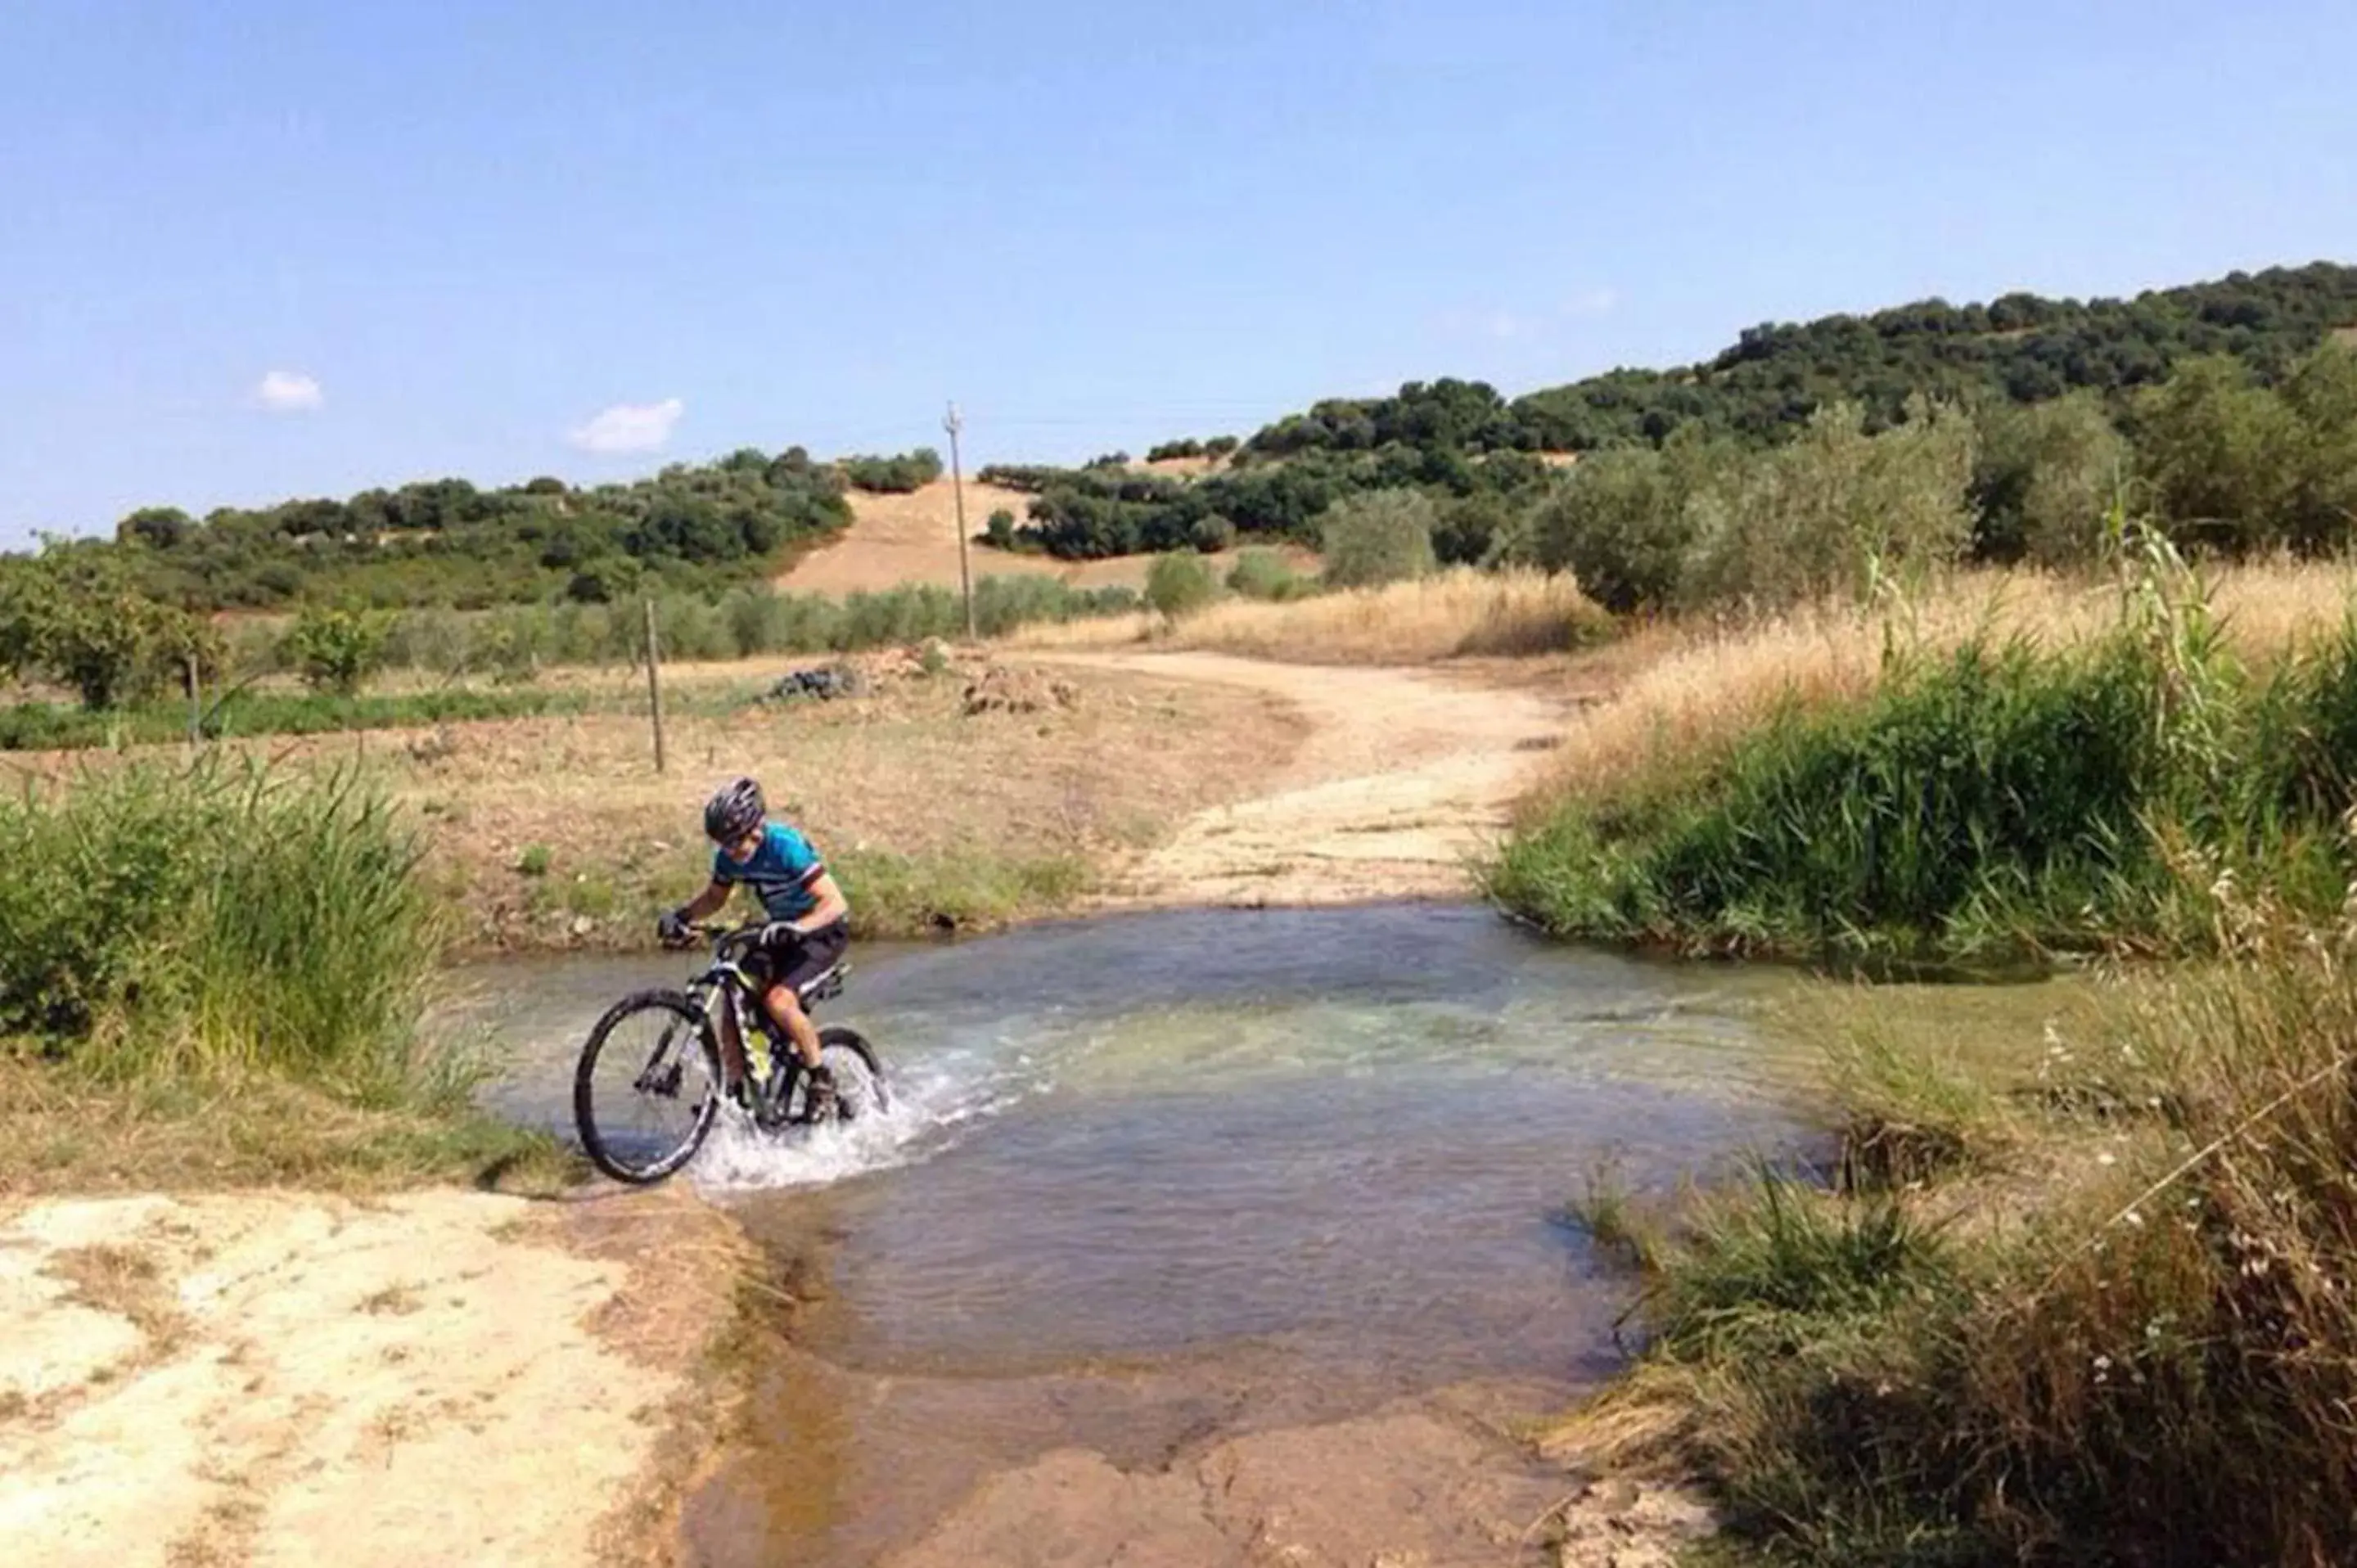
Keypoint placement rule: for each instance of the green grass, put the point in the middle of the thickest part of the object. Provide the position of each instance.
(47, 726)
(1995, 802)
(2120, 1337)
(227, 964)
(905, 895)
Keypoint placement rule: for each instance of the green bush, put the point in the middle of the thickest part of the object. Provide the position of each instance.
(1263, 574)
(2145, 1368)
(1621, 521)
(1384, 536)
(1211, 534)
(43, 727)
(893, 476)
(336, 649)
(1179, 584)
(2241, 466)
(2044, 477)
(217, 917)
(1836, 511)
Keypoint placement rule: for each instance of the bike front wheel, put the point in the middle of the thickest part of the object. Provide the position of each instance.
(647, 1088)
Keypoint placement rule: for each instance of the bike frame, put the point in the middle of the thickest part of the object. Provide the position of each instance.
(726, 978)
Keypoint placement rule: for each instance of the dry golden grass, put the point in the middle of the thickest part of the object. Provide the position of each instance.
(1694, 686)
(894, 541)
(64, 1131)
(1458, 613)
(125, 1281)
(558, 832)
(912, 538)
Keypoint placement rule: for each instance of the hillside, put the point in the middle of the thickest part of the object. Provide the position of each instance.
(894, 540)
(2019, 348)
(752, 516)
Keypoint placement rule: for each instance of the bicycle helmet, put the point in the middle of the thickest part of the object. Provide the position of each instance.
(736, 811)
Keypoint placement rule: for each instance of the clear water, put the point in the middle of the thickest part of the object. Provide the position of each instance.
(1310, 1159)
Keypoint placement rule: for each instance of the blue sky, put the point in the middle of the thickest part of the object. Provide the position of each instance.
(252, 251)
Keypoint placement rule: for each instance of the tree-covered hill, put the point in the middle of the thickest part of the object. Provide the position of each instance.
(2020, 348)
(445, 542)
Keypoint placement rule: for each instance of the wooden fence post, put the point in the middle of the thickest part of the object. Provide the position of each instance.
(654, 686)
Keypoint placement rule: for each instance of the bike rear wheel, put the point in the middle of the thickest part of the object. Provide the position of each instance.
(647, 1087)
(858, 1077)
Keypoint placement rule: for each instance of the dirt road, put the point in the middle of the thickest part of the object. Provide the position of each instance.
(1406, 776)
(440, 1376)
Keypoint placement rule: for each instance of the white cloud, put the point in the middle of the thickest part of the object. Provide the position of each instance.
(1506, 326)
(1500, 325)
(629, 427)
(288, 392)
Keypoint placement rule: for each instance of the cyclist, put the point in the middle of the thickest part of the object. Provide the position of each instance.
(808, 927)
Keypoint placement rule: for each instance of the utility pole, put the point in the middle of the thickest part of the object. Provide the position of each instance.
(957, 491)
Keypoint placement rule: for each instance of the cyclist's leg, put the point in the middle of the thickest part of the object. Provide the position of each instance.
(791, 969)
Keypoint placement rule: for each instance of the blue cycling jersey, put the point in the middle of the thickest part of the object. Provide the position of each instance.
(779, 872)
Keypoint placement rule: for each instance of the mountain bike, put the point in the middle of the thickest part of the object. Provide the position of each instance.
(656, 1068)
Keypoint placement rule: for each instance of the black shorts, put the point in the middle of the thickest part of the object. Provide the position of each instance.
(795, 961)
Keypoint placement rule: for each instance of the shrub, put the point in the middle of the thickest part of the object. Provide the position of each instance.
(2043, 478)
(1619, 522)
(2156, 1362)
(75, 613)
(893, 476)
(336, 649)
(1384, 536)
(1211, 534)
(1179, 584)
(1263, 574)
(1837, 511)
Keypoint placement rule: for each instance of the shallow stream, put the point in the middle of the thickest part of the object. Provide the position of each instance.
(1157, 1178)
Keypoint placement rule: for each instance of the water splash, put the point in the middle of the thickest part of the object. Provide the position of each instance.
(931, 1109)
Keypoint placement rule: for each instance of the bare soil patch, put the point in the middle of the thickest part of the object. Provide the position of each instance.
(1403, 778)
(437, 1377)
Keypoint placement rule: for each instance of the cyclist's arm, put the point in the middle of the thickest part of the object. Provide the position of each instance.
(706, 902)
(832, 906)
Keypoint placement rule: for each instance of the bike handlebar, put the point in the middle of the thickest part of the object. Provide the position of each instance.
(718, 935)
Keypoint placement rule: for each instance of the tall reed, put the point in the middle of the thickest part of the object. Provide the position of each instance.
(218, 917)
(1999, 795)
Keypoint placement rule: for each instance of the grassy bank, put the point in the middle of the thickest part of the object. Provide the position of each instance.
(2001, 795)
(213, 972)
(2079, 1298)
(2073, 1288)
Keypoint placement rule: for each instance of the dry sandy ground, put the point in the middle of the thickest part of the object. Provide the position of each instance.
(1405, 775)
(1403, 1489)
(449, 1377)
(896, 540)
